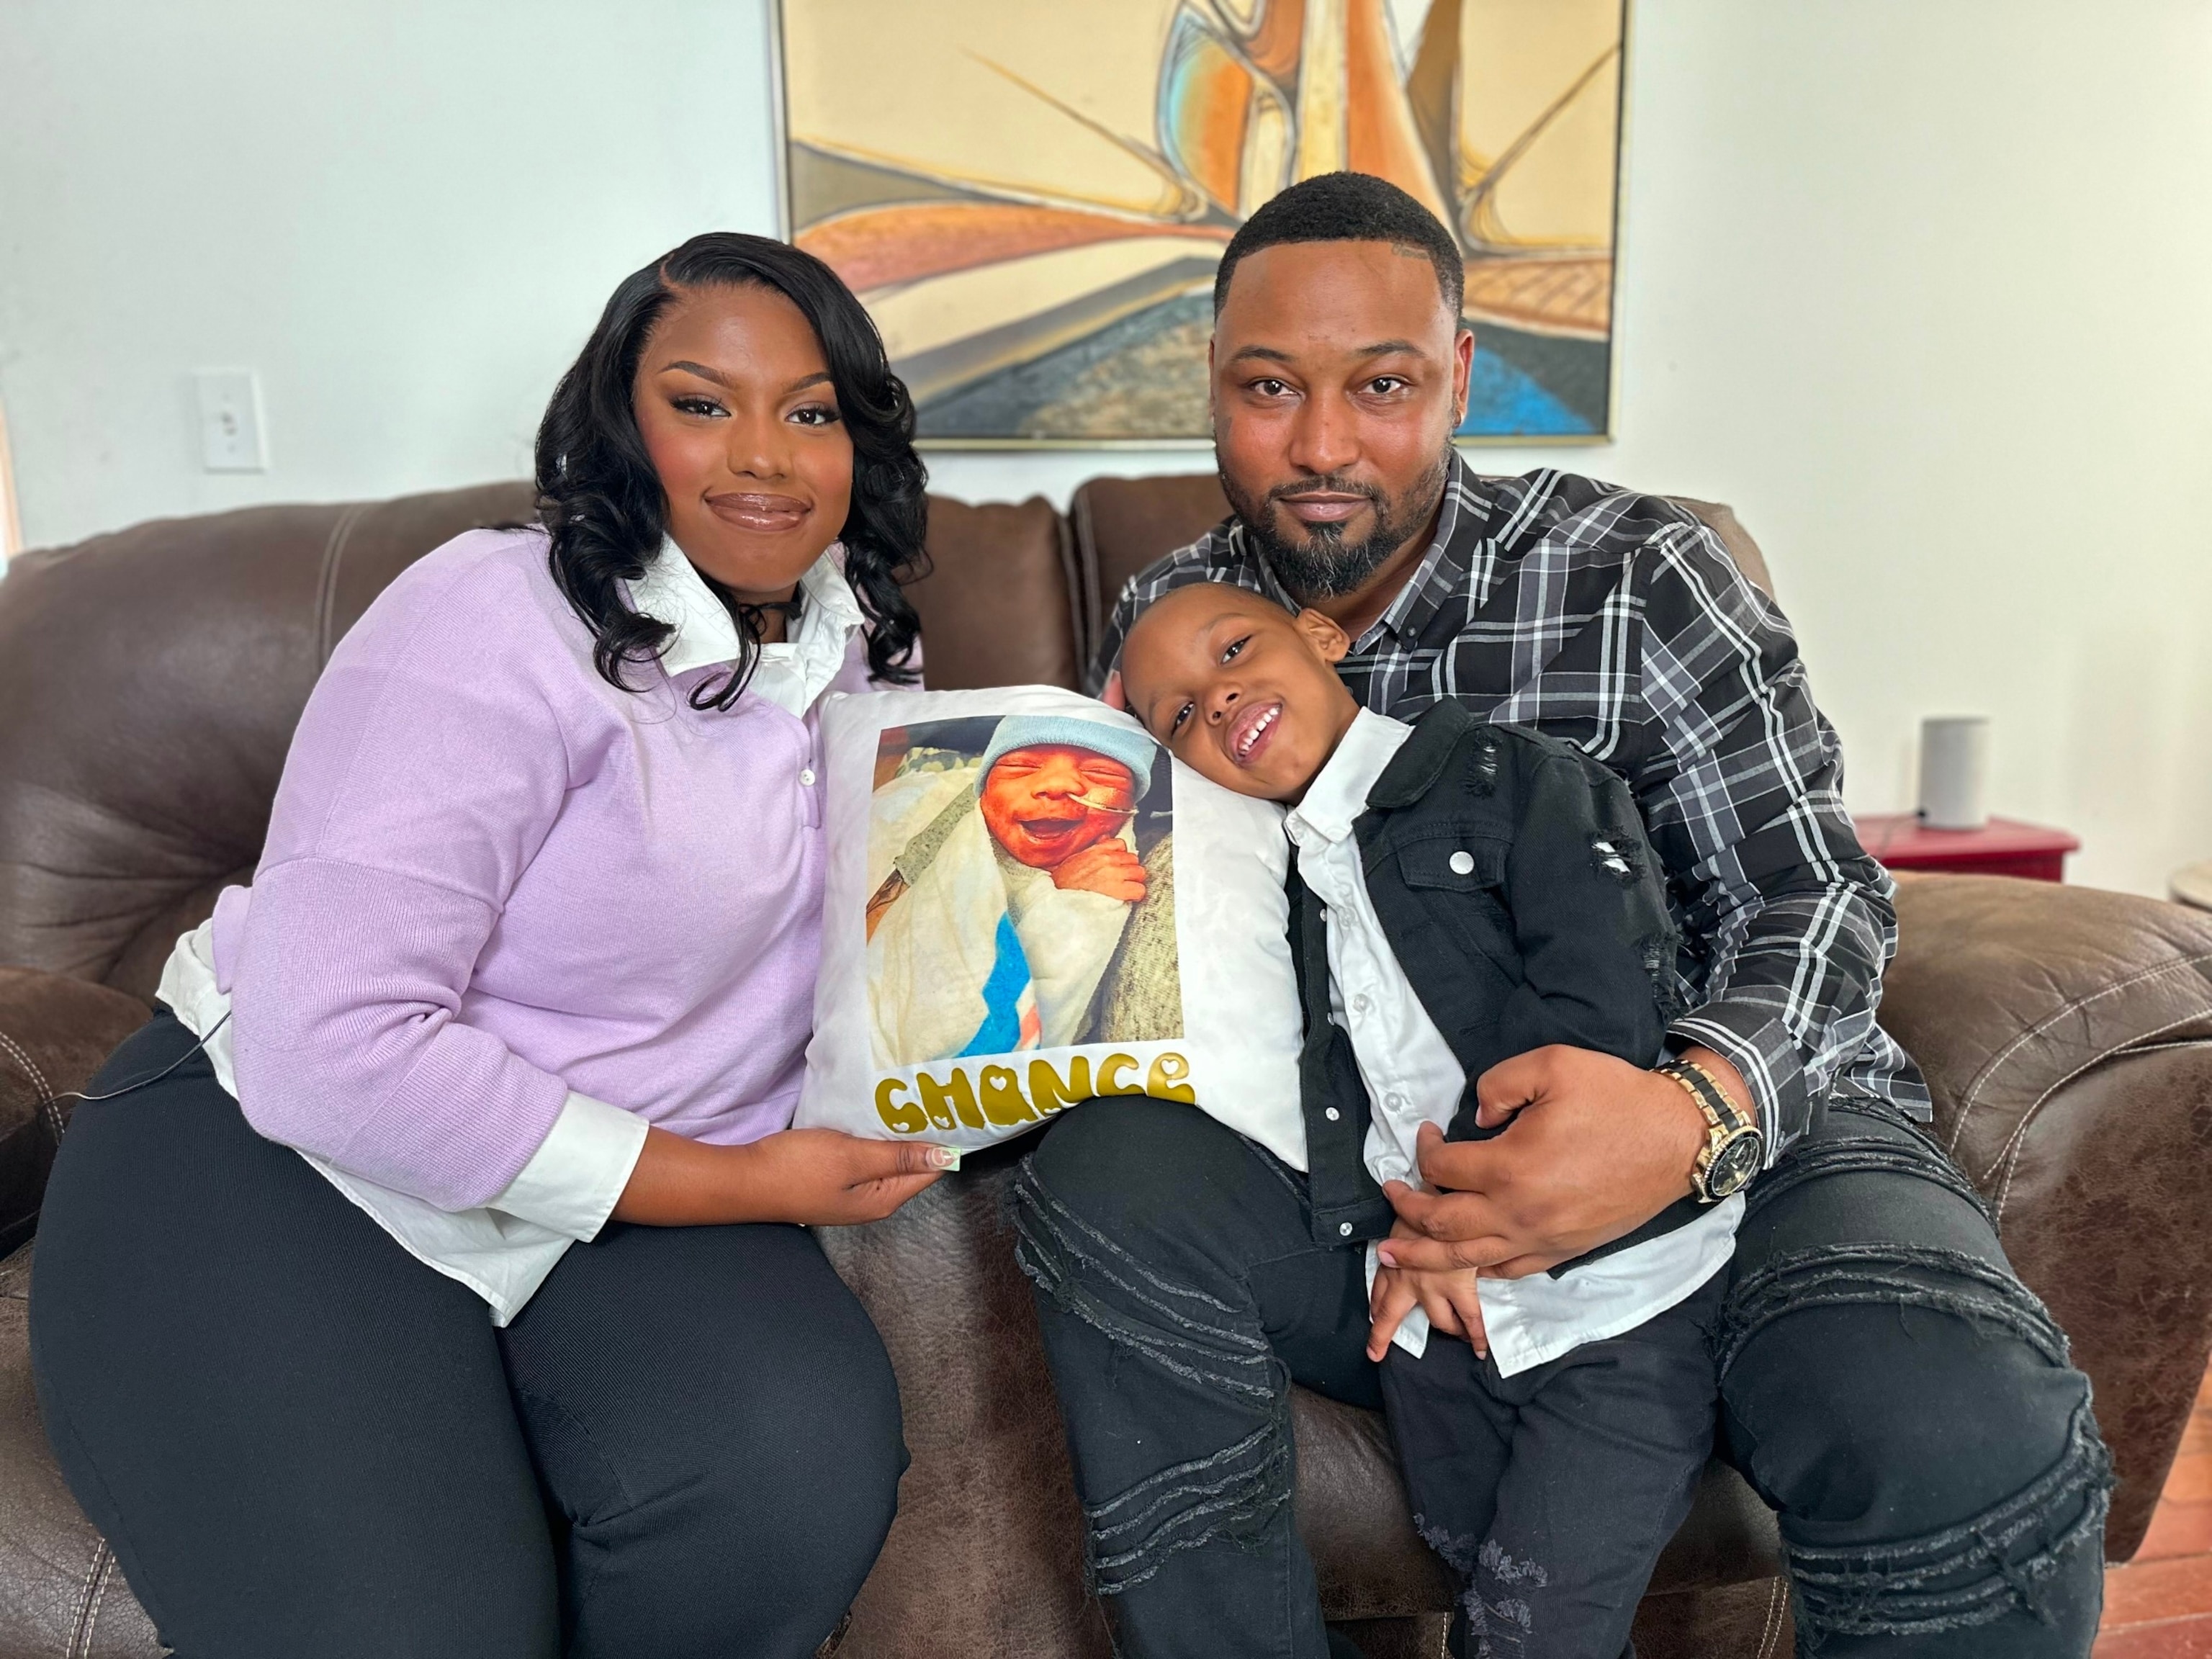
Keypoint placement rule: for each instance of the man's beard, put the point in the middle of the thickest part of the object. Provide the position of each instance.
(1325, 567)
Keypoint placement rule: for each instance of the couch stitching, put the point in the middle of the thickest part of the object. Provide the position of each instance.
(1770, 1636)
(45, 1090)
(2078, 1071)
(2008, 1155)
(327, 581)
(2073, 1006)
(96, 1579)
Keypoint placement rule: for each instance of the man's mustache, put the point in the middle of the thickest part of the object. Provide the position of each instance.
(1326, 487)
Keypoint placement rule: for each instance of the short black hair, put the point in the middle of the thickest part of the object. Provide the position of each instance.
(1347, 207)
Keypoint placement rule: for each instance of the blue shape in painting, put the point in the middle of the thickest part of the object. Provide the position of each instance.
(1501, 401)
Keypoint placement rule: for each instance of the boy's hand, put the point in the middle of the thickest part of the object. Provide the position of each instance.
(1108, 868)
(1388, 1304)
(1449, 1297)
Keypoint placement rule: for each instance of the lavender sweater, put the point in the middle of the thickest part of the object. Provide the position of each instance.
(491, 878)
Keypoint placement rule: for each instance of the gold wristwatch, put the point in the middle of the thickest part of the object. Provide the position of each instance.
(1734, 1150)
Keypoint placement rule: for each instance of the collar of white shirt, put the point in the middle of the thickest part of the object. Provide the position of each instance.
(1338, 794)
(790, 674)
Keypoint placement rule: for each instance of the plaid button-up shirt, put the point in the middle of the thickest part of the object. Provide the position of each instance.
(1619, 622)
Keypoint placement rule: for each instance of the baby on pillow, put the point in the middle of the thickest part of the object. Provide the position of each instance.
(994, 937)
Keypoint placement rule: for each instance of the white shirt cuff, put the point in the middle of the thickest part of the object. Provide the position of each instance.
(573, 1178)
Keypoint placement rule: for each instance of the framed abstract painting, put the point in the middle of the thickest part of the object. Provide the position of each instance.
(1032, 196)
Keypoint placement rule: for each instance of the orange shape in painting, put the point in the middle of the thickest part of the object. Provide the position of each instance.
(877, 247)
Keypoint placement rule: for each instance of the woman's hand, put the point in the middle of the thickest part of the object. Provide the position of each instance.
(817, 1177)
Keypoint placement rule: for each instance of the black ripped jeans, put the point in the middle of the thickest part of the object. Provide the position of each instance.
(1886, 1385)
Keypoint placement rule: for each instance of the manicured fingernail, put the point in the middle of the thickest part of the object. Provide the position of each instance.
(1383, 1253)
(945, 1158)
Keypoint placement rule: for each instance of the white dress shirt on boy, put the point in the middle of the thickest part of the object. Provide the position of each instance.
(1412, 1078)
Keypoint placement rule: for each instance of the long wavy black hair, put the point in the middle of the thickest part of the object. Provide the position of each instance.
(603, 505)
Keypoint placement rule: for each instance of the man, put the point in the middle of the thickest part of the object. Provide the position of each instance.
(1001, 915)
(1887, 1385)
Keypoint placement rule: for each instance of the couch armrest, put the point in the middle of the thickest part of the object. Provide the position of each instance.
(54, 1033)
(2066, 1034)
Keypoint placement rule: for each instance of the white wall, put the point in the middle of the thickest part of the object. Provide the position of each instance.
(1918, 285)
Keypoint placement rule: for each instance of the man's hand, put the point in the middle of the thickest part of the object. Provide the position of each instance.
(1597, 1147)
(1450, 1299)
(1107, 867)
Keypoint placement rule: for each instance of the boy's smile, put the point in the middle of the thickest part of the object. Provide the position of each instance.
(1237, 688)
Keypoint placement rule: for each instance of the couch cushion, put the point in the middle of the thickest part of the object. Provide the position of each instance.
(2067, 1037)
(998, 604)
(152, 678)
(55, 1032)
(60, 1590)
(1118, 525)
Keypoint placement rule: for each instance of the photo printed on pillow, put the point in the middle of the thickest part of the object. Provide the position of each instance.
(1021, 895)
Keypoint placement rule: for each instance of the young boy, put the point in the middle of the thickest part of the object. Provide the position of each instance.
(1483, 891)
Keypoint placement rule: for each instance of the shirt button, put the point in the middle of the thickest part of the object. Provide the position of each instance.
(1462, 863)
(806, 777)
(1396, 1103)
(1334, 1114)
(1344, 1230)
(1360, 1005)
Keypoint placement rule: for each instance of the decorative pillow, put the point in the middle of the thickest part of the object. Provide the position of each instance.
(1030, 902)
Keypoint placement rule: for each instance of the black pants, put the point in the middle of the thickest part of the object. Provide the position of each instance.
(300, 1440)
(1886, 1385)
(1551, 1493)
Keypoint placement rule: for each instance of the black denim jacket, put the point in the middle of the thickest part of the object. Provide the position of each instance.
(1552, 928)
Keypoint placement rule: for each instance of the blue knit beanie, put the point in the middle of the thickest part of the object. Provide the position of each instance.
(1133, 749)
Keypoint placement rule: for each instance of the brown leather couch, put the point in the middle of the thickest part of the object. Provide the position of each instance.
(148, 684)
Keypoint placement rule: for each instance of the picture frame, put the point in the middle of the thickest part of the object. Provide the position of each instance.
(1032, 196)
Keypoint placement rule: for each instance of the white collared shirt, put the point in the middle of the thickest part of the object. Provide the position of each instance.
(565, 1191)
(1412, 1078)
(790, 674)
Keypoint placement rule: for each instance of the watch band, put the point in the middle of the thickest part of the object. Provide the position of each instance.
(1727, 1126)
(1705, 1089)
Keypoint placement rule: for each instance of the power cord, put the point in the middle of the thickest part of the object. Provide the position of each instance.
(131, 1088)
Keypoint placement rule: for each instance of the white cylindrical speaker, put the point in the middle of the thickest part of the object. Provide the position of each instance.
(1954, 769)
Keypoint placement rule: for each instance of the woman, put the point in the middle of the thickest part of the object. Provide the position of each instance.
(528, 964)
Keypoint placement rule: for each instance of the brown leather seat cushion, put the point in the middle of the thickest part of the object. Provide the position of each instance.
(152, 679)
(998, 605)
(54, 1034)
(1120, 526)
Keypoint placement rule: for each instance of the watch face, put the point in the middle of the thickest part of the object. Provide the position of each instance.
(1735, 1166)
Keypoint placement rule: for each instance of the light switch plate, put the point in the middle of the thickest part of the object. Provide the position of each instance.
(231, 438)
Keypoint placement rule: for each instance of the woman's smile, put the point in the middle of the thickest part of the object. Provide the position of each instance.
(759, 514)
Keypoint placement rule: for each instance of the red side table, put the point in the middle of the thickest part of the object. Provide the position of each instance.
(2003, 847)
